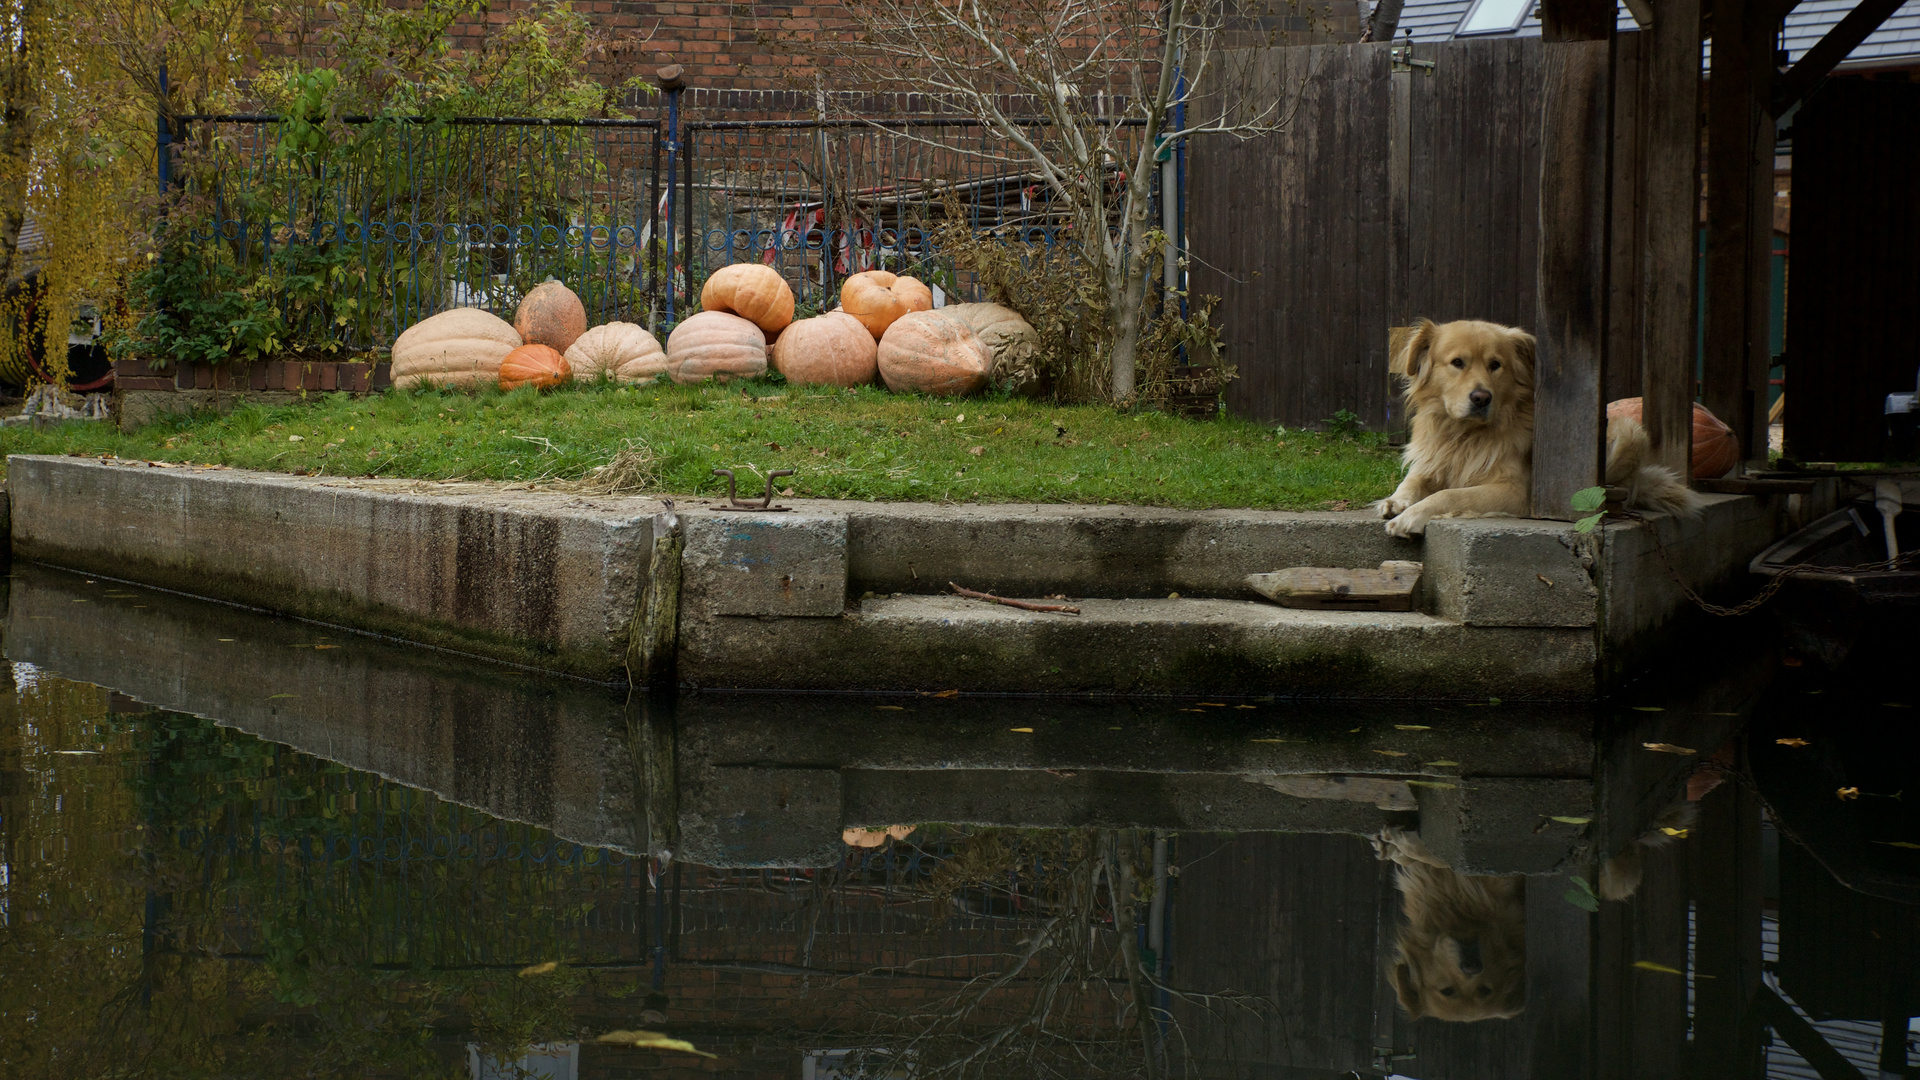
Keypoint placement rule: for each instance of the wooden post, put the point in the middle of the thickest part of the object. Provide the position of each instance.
(1726, 952)
(1740, 138)
(653, 635)
(1571, 324)
(1670, 123)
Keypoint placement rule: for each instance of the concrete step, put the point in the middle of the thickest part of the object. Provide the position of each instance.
(1131, 646)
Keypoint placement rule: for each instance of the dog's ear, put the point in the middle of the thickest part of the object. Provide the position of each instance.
(1525, 348)
(1406, 991)
(1412, 361)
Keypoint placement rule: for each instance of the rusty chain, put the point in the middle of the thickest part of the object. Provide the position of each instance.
(1767, 592)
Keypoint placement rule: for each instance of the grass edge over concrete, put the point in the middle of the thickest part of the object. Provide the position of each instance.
(843, 444)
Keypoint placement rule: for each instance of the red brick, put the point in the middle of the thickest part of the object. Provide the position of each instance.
(310, 376)
(329, 376)
(223, 376)
(203, 376)
(142, 383)
(257, 375)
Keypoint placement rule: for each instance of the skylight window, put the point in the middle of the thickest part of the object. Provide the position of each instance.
(1494, 17)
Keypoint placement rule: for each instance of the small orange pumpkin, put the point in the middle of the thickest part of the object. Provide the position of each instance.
(831, 350)
(1715, 448)
(550, 315)
(869, 297)
(538, 366)
(753, 291)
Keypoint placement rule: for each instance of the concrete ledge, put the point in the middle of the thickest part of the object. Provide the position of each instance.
(1136, 647)
(528, 578)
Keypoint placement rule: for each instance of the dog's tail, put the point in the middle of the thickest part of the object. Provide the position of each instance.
(1620, 876)
(1656, 487)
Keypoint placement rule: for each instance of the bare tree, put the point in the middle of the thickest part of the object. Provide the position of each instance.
(1105, 77)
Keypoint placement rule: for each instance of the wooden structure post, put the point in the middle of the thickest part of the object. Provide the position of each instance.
(1727, 899)
(1669, 119)
(1740, 139)
(1571, 324)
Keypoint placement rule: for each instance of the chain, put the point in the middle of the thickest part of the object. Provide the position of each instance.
(1772, 587)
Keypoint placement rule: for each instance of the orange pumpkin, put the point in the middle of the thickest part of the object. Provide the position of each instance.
(1715, 448)
(869, 297)
(929, 353)
(830, 350)
(551, 315)
(538, 366)
(752, 291)
(914, 293)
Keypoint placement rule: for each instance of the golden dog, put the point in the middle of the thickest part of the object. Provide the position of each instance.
(1470, 392)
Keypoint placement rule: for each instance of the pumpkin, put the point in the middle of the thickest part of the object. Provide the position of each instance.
(869, 297)
(1014, 342)
(752, 291)
(539, 366)
(456, 348)
(620, 349)
(914, 293)
(930, 353)
(715, 345)
(831, 350)
(872, 838)
(551, 315)
(1715, 448)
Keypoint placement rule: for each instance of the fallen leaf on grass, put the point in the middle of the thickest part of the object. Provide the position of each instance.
(1648, 965)
(1669, 748)
(976, 451)
(1413, 727)
(539, 969)
(1573, 820)
(651, 1040)
(1848, 793)
(1792, 742)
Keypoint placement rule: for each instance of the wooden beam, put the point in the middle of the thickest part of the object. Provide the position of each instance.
(1829, 51)
(1726, 956)
(1670, 208)
(1740, 138)
(1576, 146)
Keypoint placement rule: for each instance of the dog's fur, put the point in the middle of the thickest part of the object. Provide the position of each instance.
(1470, 392)
(1463, 949)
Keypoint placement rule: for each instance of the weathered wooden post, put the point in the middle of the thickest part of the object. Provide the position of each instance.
(1669, 120)
(1576, 144)
(653, 635)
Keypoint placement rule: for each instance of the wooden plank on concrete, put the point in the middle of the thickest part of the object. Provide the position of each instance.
(1390, 588)
(1571, 325)
(1670, 125)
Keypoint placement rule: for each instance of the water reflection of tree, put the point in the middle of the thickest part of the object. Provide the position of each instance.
(200, 905)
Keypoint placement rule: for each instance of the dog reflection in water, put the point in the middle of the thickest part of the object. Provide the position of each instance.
(1463, 948)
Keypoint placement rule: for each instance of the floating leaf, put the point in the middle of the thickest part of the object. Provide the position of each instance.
(1392, 753)
(1028, 730)
(1895, 705)
(1587, 500)
(1669, 748)
(1200, 711)
(1353, 731)
(1267, 740)
(326, 646)
(1573, 820)
(1432, 784)
(1246, 706)
(1792, 742)
(1413, 727)
(1677, 834)
(1582, 895)
(946, 693)
(1648, 965)
(1898, 843)
(227, 639)
(278, 696)
(891, 708)
(1648, 708)
(1848, 793)
(1444, 764)
(651, 1040)
(1214, 704)
(539, 969)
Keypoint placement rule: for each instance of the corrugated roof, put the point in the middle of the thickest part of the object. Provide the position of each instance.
(1897, 39)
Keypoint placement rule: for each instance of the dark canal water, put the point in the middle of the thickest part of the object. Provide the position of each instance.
(234, 846)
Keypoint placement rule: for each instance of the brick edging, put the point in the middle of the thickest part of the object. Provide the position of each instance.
(322, 376)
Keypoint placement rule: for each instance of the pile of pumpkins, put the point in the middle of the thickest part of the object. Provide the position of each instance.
(885, 327)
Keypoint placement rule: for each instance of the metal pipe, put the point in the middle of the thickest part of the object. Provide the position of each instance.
(673, 152)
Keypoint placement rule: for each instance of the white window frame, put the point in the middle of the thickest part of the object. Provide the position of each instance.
(1460, 30)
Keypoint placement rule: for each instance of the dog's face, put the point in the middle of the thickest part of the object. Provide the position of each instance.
(1477, 976)
(1469, 370)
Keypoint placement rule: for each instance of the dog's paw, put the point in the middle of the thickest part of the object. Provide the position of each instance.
(1407, 526)
(1390, 506)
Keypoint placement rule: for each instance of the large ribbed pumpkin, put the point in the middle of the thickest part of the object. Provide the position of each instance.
(455, 348)
(869, 297)
(927, 352)
(539, 366)
(551, 315)
(621, 350)
(829, 350)
(753, 291)
(1014, 342)
(1715, 448)
(913, 292)
(715, 345)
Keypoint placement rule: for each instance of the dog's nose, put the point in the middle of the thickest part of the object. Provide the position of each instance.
(1481, 398)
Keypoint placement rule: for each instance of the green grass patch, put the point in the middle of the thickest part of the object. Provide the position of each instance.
(842, 444)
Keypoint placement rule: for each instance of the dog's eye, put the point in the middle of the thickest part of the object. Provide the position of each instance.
(1459, 362)
(1446, 991)
(1495, 366)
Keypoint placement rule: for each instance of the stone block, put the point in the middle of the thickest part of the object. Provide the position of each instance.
(1489, 825)
(764, 564)
(747, 816)
(1508, 572)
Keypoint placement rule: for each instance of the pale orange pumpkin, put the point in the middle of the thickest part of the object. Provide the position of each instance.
(829, 350)
(715, 345)
(1715, 448)
(753, 291)
(538, 366)
(457, 348)
(930, 353)
(550, 315)
(622, 350)
(869, 297)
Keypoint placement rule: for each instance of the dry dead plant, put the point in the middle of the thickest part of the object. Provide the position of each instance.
(632, 470)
